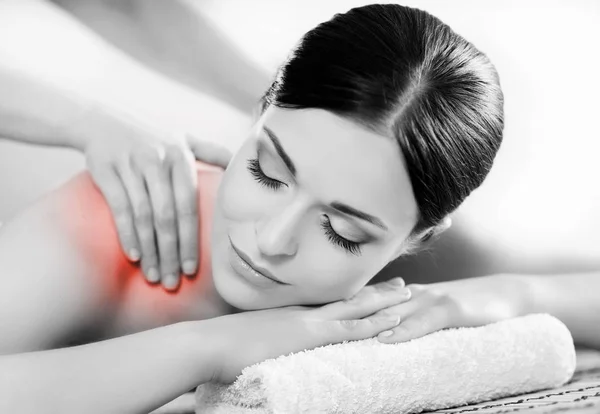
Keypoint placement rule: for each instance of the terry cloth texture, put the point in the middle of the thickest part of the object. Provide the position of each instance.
(445, 369)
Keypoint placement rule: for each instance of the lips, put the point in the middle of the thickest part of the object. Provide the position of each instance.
(264, 272)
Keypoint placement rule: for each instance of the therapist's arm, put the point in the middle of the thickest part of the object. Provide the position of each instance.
(149, 193)
(34, 111)
(176, 39)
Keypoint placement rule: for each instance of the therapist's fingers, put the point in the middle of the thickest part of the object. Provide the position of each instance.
(184, 182)
(116, 197)
(209, 152)
(158, 181)
(143, 219)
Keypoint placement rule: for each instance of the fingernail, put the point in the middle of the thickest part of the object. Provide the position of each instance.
(189, 267)
(153, 276)
(397, 281)
(170, 282)
(386, 333)
(134, 254)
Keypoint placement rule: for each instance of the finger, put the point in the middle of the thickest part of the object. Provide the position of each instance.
(367, 301)
(158, 182)
(116, 197)
(143, 220)
(357, 329)
(416, 325)
(184, 182)
(209, 152)
(403, 310)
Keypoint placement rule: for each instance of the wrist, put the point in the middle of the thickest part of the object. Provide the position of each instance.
(82, 128)
(208, 343)
(523, 294)
(94, 123)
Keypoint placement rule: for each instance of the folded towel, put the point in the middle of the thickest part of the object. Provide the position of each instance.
(444, 369)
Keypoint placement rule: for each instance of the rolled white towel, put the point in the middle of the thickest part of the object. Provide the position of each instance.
(444, 369)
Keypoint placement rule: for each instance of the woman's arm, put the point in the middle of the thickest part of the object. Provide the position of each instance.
(572, 298)
(176, 39)
(478, 301)
(62, 270)
(132, 374)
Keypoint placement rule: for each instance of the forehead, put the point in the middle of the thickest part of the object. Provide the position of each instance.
(339, 160)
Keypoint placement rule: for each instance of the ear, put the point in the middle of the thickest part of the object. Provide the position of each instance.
(435, 231)
(407, 245)
(445, 224)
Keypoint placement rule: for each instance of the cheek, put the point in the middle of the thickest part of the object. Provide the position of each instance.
(331, 274)
(240, 196)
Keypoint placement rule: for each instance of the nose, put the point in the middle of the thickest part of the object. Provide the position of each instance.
(276, 233)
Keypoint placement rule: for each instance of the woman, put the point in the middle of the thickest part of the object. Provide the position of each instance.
(378, 126)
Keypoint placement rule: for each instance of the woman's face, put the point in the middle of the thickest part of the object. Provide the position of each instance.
(314, 200)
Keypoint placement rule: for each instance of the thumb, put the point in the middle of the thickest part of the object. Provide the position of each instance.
(208, 152)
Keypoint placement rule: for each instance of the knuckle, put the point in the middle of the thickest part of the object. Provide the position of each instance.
(435, 295)
(146, 236)
(369, 291)
(168, 241)
(143, 214)
(383, 313)
(147, 156)
(165, 219)
(349, 323)
(353, 301)
(119, 207)
(177, 153)
(187, 209)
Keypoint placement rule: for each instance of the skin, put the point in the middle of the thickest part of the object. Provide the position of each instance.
(280, 230)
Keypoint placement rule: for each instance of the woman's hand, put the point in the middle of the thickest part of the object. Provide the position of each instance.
(149, 182)
(250, 337)
(458, 303)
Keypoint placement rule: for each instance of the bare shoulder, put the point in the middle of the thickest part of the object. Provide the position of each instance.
(59, 263)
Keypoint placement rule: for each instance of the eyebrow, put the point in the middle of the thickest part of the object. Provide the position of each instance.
(351, 211)
(286, 158)
(341, 207)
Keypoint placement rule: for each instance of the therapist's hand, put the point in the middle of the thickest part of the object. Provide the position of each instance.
(150, 184)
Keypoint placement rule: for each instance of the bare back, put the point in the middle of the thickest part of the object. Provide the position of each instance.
(66, 280)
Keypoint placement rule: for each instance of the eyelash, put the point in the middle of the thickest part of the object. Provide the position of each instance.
(261, 177)
(266, 181)
(350, 247)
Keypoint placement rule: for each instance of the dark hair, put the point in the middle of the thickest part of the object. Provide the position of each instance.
(403, 72)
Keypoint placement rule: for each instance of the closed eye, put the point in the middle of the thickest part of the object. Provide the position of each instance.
(273, 184)
(261, 177)
(349, 246)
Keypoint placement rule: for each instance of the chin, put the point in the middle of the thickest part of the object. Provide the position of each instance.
(239, 294)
